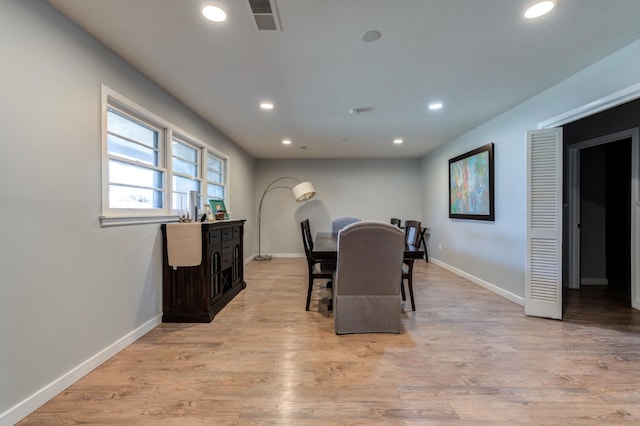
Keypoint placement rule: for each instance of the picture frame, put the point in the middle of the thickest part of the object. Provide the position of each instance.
(207, 210)
(471, 185)
(218, 209)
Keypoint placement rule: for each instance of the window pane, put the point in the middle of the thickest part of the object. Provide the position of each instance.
(180, 202)
(181, 187)
(133, 186)
(214, 176)
(122, 197)
(182, 166)
(132, 151)
(184, 185)
(215, 169)
(129, 174)
(125, 126)
(215, 191)
(184, 151)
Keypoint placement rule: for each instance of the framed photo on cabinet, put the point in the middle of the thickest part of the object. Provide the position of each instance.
(219, 209)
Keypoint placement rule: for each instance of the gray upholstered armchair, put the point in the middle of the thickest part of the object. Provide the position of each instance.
(366, 290)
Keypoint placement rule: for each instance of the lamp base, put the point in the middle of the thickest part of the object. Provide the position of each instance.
(263, 257)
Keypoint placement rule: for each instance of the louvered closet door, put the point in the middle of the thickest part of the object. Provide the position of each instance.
(543, 281)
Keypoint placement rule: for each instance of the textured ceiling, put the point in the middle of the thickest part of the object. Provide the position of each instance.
(479, 57)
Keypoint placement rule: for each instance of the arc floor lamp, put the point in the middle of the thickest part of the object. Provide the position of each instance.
(303, 191)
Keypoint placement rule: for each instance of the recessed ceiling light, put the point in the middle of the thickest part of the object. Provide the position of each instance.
(286, 141)
(214, 13)
(434, 106)
(397, 141)
(539, 9)
(266, 105)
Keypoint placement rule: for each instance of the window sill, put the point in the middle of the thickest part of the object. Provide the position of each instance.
(106, 222)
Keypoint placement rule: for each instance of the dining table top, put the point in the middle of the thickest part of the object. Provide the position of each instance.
(325, 247)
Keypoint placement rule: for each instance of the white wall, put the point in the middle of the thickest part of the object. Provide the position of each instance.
(368, 189)
(70, 289)
(494, 252)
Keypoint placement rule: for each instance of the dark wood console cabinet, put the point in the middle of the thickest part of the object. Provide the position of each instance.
(198, 293)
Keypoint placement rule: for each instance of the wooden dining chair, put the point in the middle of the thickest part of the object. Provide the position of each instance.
(412, 237)
(316, 269)
(397, 222)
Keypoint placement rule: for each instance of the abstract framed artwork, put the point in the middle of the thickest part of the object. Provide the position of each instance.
(471, 194)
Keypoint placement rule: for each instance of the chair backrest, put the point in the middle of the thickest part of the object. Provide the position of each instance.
(370, 258)
(340, 222)
(397, 222)
(412, 232)
(366, 287)
(307, 240)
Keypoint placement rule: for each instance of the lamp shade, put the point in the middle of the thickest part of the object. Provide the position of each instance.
(303, 191)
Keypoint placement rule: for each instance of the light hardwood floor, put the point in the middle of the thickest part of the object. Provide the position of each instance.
(465, 357)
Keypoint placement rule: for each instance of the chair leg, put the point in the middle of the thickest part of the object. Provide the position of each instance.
(426, 252)
(309, 292)
(410, 285)
(404, 296)
(413, 303)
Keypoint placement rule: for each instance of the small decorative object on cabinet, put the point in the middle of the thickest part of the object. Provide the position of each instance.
(198, 293)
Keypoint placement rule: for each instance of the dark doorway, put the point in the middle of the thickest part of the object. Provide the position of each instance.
(605, 219)
(618, 224)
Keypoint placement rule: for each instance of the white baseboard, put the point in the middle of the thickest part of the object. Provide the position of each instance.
(282, 255)
(491, 287)
(594, 281)
(35, 401)
(289, 255)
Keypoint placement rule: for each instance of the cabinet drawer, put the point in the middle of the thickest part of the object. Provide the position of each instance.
(215, 236)
(227, 234)
(236, 232)
(227, 247)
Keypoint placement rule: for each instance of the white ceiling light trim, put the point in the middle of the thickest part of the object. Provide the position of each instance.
(266, 105)
(398, 141)
(214, 14)
(286, 141)
(434, 106)
(539, 9)
(370, 36)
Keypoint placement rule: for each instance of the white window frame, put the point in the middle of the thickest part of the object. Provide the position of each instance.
(201, 165)
(116, 217)
(225, 173)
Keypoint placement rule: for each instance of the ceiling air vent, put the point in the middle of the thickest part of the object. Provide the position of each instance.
(265, 14)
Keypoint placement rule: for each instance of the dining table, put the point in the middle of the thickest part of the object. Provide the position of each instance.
(325, 248)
